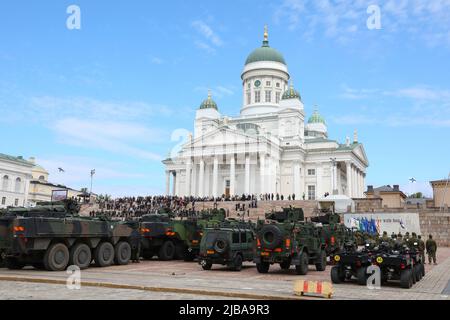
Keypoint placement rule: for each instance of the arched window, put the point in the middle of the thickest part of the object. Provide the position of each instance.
(41, 178)
(18, 186)
(5, 181)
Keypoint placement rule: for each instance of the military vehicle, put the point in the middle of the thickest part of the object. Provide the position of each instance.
(52, 236)
(229, 243)
(287, 239)
(175, 238)
(351, 262)
(399, 263)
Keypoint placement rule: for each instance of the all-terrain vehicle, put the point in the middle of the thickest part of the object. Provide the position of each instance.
(287, 239)
(229, 244)
(52, 236)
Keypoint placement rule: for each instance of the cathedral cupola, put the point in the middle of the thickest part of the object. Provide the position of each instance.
(291, 93)
(209, 103)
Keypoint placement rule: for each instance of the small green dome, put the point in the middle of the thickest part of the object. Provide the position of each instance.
(265, 53)
(291, 93)
(316, 118)
(209, 103)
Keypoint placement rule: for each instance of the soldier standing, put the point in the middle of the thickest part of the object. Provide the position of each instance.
(431, 247)
(421, 246)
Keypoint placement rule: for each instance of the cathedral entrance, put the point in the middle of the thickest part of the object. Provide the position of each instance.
(227, 188)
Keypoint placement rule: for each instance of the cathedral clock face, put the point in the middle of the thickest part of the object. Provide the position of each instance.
(257, 83)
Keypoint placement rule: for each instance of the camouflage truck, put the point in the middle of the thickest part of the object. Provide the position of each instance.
(53, 236)
(175, 238)
(286, 238)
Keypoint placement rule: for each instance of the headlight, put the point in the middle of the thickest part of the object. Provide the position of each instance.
(337, 258)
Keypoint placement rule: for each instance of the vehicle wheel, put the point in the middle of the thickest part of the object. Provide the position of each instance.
(263, 267)
(285, 265)
(167, 251)
(206, 265)
(321, 263)
(406, 279)
(104, 254)
(56, 258)
(271, 236)
(80, 255)
(336, 275)
(180, 251)
(122, 253)
(302, 268)
(237, 263)
(13, 264)
(148, 254)
(361, 276)
(417, 272)
(220, 245)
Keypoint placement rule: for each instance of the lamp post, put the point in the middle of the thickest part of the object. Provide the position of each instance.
(92, 175)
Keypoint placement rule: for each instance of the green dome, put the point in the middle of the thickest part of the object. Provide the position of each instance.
(291, 93)
(265, 53)
(209, 103)
(316, 118)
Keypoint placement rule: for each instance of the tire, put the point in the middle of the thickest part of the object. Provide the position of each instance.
(206, 265)
(122, 253)
(406, 279)
(237, 263)
(302, 268)
(180, 251)
(336, 275)
(321, 263)
(56, 258)
(285, 265)
(167, 251)
(417, 272)
(422, 267)
(13, 264)
(104, 254)
(220, 245)
(271, 236)
(263, 267)
(361, 276)
(81, 256)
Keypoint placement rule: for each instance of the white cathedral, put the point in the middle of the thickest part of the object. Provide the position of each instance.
(269, 148)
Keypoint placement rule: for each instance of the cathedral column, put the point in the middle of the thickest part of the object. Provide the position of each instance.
(174, 182)
(194, 186)
(349, 178)
(319, 178)
(201, 178)
(215, 176)
(167, 182)
(296, 189)
(207, 186)
(232, 175)
(188, 178)
(247, 175)
(262, 172)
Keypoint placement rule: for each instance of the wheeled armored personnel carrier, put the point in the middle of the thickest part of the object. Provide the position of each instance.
(53, 236)
(287, 239)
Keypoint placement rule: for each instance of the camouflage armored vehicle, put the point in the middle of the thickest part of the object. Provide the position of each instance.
(230, 243)
(351, 262)
(175, 238)
(287, 239)
(53, 236)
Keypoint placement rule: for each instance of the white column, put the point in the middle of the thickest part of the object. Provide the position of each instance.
(177, 184)
(167, 182)
(319, 177)
(215, 176)
(302, 183)
(194, 186)
(296, 189)
(262, 173)
(247, 175)
(207, 187)
(232, 175)
(187, 190)
(201, 178)
(349, 178)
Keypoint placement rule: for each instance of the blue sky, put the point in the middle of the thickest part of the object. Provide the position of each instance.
(110, 95)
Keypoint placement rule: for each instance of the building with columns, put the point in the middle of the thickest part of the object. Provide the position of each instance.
(269, 147)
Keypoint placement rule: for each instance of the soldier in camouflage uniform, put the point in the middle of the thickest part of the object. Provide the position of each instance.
(421, 247)
(431, 247)
(385, 238)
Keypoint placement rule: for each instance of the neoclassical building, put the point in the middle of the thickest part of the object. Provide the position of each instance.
(269, 147)
(15, 176)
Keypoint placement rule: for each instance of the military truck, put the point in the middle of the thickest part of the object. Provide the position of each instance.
(230, 243)
(287, 239)
(351, 262)
(171, 237)
(52, 236)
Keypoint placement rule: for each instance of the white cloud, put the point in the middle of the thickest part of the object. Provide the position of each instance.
(210, 39)
(217, 91)
(156, 60)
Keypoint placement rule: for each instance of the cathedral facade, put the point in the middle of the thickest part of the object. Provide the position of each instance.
(269, 147)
